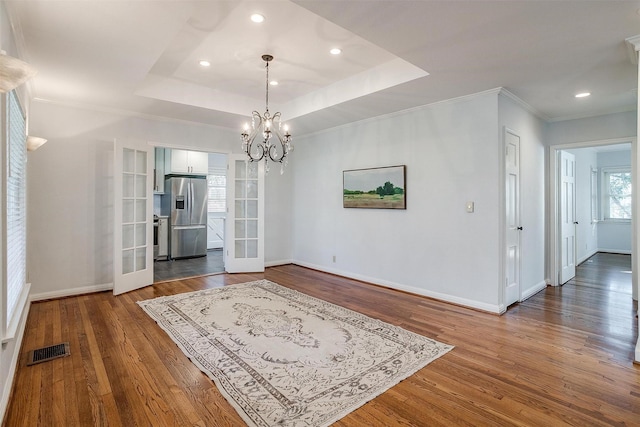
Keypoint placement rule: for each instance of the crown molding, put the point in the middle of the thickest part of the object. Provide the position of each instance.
(524, 105)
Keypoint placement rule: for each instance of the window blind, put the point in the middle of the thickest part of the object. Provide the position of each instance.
(16, 204)
(217, 186)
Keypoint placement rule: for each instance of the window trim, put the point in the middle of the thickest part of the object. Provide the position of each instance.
(9, 323)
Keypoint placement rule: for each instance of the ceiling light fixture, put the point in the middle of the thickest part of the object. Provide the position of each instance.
(335, 51)
(257, 18)
(13, 72)
(268, 125)
(273, 83)
(204, 63)
(583, 94)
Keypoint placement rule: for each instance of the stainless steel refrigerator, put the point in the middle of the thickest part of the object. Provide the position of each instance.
(185, 200)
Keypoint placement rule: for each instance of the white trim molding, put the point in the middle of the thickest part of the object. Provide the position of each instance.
(277, 263)
(491, 308)
(8, 385)
(533, 290)
(72, 292)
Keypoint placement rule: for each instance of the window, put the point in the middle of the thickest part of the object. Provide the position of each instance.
(616, 185)
(217, 186)
(15, 158)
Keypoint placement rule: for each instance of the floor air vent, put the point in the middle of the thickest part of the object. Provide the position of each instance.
(48, 353)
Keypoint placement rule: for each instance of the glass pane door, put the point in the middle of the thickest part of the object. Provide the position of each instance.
(133, 240)
(246, 210)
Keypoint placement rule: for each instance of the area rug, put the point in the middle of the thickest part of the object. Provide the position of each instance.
(284, 358)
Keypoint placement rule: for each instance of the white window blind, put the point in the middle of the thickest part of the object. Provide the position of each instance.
(16, 204)
(217, 186)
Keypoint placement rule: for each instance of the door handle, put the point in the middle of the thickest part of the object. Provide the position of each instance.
(519, 228)
(575, 222)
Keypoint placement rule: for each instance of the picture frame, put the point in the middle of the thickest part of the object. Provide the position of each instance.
(375, 188)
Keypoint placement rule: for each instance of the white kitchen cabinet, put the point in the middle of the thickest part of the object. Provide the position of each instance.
(158, 177)
(187, 162)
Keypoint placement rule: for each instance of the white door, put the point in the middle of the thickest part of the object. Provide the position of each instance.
(513, 228)
(244, 239)
(567, 216)
(133, 226)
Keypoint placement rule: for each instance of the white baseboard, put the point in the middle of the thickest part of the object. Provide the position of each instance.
(586, 257)
(71, 292)
(413, 290)
(8, 385)
(533, 290)
(615, 251)
(276, 263)
(637, 356)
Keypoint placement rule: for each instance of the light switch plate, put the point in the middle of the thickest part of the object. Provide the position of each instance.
(470, 207)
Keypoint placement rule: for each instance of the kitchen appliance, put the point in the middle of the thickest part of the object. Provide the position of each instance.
(155, 237)
(185, 200)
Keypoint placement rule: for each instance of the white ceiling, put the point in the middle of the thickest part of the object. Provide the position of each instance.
(142, 56)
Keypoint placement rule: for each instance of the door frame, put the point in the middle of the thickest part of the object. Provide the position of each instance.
(155, 144)
(553, 213)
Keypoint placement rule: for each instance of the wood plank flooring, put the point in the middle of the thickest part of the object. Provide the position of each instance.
(563, 357)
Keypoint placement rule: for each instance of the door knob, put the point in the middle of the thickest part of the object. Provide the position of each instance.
(520, 228)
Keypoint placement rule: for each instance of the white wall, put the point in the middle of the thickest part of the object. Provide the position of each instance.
(586, 230)
(530, 128)
(434, 247)
(70, 193)
(614, 236)
(611, 126)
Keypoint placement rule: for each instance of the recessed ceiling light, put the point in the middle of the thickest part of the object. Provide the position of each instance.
(204, 63)
(273, 83)
(583, 94)
(335, 51)
(257, 18)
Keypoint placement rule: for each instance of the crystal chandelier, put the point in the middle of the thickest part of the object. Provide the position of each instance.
(267, 125)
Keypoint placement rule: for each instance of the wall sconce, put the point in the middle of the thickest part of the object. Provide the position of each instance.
(34, 142)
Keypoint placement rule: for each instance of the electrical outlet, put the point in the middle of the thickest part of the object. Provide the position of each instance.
(334, 258)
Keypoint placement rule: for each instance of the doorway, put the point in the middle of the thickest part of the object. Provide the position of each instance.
(596, 224)
(167, 267)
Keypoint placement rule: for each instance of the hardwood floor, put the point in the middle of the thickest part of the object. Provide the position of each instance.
(563, 357)
(164, 270)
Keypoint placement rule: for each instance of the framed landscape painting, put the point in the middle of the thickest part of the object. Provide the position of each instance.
(377, 188)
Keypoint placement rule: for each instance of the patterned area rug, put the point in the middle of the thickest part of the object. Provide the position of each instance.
(283, 358)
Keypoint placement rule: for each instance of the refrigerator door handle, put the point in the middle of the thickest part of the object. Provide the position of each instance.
(191, 201)
(188, 227)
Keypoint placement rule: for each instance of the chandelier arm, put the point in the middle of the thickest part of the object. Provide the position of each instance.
(249, 139)
(285, 147)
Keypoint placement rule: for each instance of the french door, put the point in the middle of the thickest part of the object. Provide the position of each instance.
(244, 237)
(133, 226)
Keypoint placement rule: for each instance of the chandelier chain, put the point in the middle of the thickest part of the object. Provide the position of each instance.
(267, 86)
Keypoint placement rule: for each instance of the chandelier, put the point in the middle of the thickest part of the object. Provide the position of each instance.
(267, 125)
